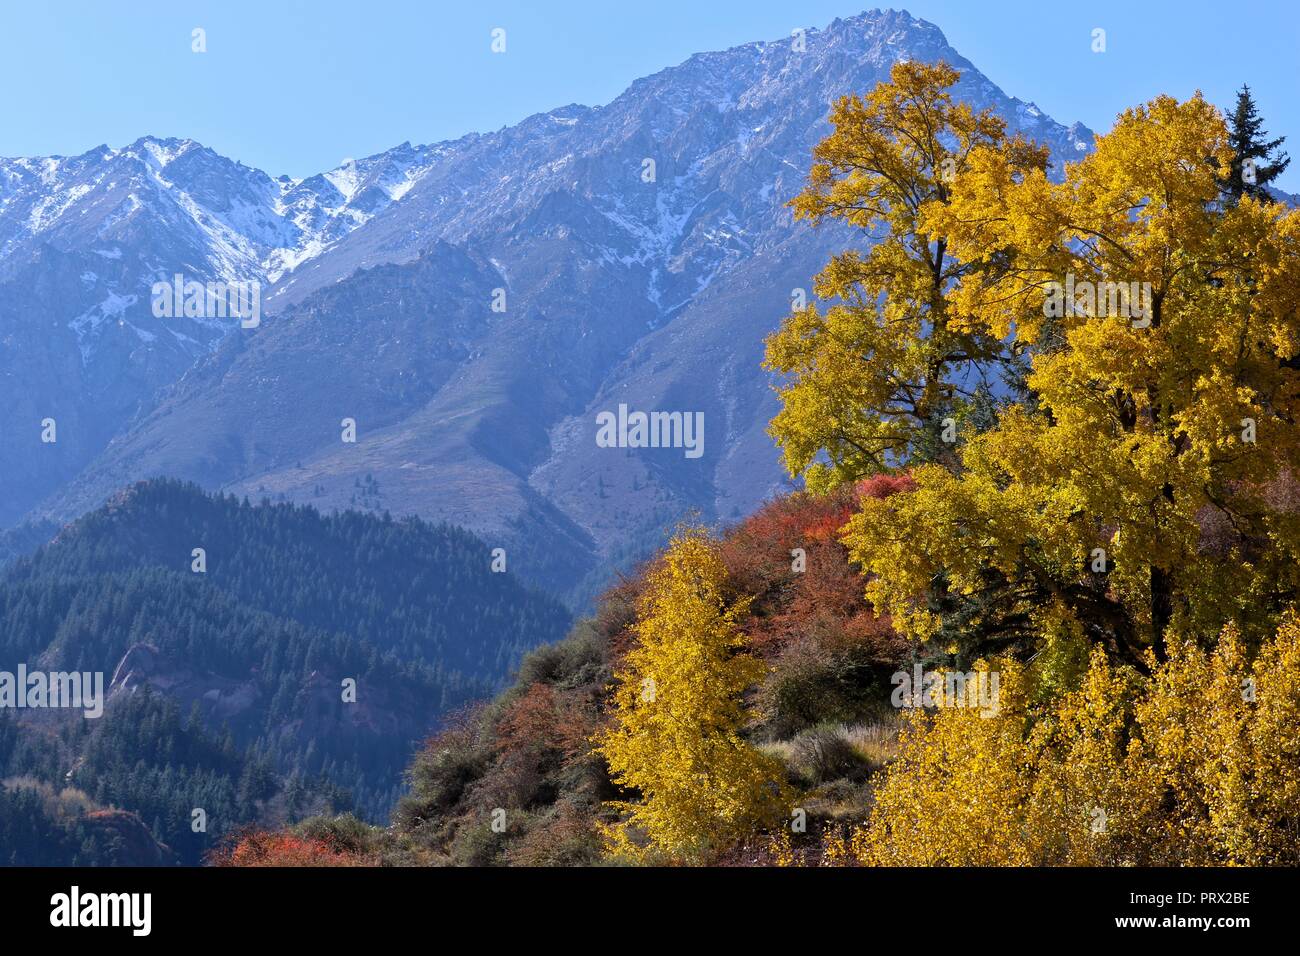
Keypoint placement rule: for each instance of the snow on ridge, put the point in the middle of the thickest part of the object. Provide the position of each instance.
(86, 324)
(164, 155)
(243, 224)
(262, 228)
(346, 179)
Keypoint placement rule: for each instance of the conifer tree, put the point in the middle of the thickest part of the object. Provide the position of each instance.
(1253, 163)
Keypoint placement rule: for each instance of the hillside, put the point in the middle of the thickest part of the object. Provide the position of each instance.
(40, 826)
(825, 704)
(246, 660)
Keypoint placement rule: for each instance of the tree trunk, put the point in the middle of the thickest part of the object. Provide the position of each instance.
(1162, 609)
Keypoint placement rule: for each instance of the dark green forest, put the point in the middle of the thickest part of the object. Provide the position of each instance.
(225, 684)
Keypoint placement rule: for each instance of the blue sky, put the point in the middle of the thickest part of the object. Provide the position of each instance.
(296, 87)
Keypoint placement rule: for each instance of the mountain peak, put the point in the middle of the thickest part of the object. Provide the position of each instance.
(644, 247)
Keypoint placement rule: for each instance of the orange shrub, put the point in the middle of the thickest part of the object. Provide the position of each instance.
(257, 848)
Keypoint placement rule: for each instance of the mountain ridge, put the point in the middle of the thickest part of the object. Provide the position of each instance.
(253, 619)
(641, 251)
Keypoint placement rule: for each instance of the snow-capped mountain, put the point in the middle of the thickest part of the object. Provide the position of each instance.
(729, 133)
(640, 250)
(83, 240)
(194, 208)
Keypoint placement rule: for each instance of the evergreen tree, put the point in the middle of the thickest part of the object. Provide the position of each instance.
(1253, 165)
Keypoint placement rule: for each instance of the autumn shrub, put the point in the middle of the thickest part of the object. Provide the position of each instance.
(823, 676)
(527, 753)
(344, 833)
(261, 848)
(571, 662)
(474, 842)
(565, 834)
(543, 720)
(1197, 764)
(1223, 736)
(443, 770)
(830, 654)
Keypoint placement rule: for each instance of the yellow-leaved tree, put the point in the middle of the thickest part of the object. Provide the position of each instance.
(1139, 472)
(873, 374)
(679, 713)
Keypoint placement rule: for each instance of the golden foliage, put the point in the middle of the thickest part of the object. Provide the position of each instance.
(891, 155)
(1159, 399)
(679, 713)
(1197, 765)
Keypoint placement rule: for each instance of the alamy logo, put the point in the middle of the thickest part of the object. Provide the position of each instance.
(977, 690)
(209, 300)
(103, 909)
(651, 430)
(39, 689)
(1099, 300)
